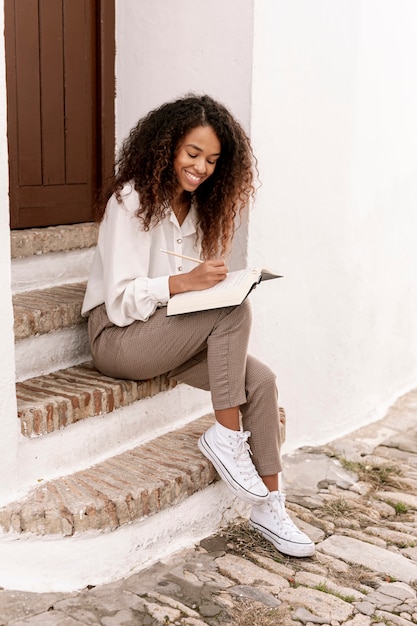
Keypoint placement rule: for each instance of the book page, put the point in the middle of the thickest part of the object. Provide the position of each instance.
(233, 279)
(228, 292)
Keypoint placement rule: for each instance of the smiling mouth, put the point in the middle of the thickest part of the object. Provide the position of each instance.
(193, 178)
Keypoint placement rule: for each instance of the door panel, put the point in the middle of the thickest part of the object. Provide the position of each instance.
(59, 56)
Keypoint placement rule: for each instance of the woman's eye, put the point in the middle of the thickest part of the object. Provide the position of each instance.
(211, 162)
(192, 156)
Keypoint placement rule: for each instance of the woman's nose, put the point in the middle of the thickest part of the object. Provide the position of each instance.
(200, 166)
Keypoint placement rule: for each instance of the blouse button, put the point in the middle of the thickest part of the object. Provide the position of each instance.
(179, 240)
(180, 268)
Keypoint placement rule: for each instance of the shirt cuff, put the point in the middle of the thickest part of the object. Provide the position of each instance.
(159, 289)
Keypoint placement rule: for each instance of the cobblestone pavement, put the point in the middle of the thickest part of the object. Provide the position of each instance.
(356, 497)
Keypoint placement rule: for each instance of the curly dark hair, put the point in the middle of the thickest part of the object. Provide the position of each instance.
(146, 159)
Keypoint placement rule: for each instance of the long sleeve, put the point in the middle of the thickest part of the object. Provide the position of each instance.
(130, 274)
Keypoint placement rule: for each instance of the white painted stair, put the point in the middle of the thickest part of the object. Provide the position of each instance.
(111, 465)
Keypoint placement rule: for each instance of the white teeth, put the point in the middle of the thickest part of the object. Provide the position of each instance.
(195, 178)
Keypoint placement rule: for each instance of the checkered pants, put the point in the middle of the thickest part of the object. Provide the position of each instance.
(207, 350)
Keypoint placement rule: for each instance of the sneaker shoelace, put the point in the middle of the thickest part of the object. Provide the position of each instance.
(242, 457)
(279, 512)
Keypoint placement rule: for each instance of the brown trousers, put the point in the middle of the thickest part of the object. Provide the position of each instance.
(207, 350)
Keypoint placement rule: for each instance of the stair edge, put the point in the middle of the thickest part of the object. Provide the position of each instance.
(128, 487)
(33, 241)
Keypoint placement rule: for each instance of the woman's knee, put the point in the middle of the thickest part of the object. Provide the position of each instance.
(240, 317)
(259, 375)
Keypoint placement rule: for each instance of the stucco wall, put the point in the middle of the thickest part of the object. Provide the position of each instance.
(335, 128)
(167, 49)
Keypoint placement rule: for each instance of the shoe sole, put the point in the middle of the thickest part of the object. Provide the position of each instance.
(223, 472)
(283, 545)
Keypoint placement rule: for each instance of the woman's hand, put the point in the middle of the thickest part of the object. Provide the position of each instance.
(203, 276)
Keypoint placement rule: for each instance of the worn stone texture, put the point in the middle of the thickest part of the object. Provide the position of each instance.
(25, 243)
(308, 579)
(392, 619)
(399, 497)
(44, 310)
(358, 620)
(56, 400)
(137, 483)
(236, 578)
(324, 605)
(246, 573)
(375, 558)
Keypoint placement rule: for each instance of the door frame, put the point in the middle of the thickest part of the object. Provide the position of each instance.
(106, 49)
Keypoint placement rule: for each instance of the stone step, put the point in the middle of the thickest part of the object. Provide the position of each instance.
(37, 241)
(128, 487)
(45, 310)
(46, 257)
(52, 402)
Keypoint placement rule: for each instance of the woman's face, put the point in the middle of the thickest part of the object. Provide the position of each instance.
(196, 157)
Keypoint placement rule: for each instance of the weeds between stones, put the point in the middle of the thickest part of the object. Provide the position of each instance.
(325, 589)
(250, 613)
(400, 507)
(241, 540)
(377, 476)
(339, 507)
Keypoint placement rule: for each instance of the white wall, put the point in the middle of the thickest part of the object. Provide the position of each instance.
(334, 125)
(8, 420)
(167, 49)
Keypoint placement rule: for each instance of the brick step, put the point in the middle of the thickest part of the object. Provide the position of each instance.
(49, 403)
(50, 332)
(46, 310)
(128, 487)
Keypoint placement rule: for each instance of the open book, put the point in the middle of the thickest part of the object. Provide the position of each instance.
(229, 292)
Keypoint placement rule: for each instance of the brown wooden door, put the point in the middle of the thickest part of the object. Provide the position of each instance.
(60, 90)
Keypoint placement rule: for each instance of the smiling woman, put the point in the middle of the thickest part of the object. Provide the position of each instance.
(196, 157)
(194, 162)
(183, 174)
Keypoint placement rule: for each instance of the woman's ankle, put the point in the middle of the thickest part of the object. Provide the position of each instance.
(228, 418)
(271, 482)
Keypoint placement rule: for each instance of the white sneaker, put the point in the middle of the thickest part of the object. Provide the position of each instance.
(273, 522)
(229, 452)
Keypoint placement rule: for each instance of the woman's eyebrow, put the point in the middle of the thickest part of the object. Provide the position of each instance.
(192, 145)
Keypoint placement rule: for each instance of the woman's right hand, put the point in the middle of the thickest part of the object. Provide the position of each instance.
(204, 276)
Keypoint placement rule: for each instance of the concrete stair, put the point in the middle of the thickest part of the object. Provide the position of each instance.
(122, 452)
(126, 482)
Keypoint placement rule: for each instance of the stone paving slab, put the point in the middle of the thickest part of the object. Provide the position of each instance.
(364, 572)
(374, 558)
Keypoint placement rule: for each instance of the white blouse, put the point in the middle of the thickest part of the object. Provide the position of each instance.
(129, 272)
